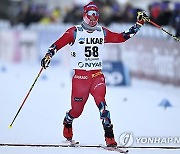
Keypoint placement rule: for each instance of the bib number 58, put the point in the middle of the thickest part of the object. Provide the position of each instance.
(91, 51)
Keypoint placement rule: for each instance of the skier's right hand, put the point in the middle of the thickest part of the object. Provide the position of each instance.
(46, 60)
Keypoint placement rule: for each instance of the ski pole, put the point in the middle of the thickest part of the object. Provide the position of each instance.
(10, 126)
(161, 28)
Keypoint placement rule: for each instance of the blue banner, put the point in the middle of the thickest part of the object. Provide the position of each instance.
(116, 73)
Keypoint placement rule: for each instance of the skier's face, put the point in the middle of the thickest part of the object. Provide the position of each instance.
(91, 14)
(92, 17)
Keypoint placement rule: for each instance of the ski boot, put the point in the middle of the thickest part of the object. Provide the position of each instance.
(68, 131)
(109, 136)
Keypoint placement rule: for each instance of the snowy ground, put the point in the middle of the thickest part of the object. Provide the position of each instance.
(133, 109)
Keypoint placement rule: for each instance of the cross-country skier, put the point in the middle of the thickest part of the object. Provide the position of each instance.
(86, 41)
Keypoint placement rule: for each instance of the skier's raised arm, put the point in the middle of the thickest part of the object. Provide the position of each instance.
(113, 37)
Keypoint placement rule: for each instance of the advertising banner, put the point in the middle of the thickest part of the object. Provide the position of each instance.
(116, 73)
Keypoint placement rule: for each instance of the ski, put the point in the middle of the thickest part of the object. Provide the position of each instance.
(66, 144)
(70, 143)
(37, 145)
(116, 148)
(48, 145)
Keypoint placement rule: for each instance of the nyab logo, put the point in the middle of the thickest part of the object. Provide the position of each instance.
(81, 40)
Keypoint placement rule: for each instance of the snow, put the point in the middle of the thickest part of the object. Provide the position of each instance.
(133, 109)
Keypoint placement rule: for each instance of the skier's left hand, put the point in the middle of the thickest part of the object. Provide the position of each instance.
(142, 17)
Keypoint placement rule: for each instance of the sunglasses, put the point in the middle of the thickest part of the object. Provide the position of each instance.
(92, 12)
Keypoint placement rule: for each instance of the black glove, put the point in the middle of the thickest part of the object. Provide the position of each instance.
(46, 60)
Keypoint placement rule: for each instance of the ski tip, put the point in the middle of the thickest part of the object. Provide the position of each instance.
(10, 126)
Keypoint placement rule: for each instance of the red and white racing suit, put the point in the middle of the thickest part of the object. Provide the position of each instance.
(86, 59)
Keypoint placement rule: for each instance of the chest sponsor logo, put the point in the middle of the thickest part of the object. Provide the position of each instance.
(94, 40)
(91, 40)
(81, 40)
(96, 64)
